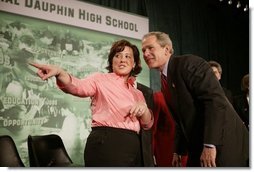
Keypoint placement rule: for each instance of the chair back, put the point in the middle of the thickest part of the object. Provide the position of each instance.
(47, 151)
(9, 156)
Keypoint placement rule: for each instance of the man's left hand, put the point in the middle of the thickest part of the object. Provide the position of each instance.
(208, 157)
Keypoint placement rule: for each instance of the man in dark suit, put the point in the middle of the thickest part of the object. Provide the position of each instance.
(241, 102)
(146, 135)
(207, 126)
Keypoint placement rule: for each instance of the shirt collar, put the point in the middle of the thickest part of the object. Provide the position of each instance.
(131, 80)
(165, 68)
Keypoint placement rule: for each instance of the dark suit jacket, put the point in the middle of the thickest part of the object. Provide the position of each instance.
(203, 114)
(146, 135)
(241, 106)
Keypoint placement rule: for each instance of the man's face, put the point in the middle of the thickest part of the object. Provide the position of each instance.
(154, 55)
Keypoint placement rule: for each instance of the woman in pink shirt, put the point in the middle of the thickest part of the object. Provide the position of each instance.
(118, 109)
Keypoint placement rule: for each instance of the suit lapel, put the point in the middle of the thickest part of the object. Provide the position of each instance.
(171, 83)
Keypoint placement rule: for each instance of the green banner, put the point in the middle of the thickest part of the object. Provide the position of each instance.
(29, 105)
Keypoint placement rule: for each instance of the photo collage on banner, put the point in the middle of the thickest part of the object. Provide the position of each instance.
(29, 105)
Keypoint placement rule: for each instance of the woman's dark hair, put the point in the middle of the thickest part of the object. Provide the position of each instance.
(119, 46)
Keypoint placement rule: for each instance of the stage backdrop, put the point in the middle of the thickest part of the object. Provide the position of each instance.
(72, 34)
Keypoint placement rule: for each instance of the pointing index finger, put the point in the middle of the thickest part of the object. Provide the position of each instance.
(35, 65)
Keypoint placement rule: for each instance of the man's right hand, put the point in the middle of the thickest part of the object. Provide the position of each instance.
(177, 160)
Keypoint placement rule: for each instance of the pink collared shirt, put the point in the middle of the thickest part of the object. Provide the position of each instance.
(111, 99)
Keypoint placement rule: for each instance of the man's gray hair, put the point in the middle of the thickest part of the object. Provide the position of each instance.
(162, 38)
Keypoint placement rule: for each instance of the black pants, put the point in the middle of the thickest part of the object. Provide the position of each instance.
(112, 147)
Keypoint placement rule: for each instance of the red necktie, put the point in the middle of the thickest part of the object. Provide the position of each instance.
(165, 88)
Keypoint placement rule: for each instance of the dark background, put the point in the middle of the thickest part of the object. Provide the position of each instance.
(212, 29)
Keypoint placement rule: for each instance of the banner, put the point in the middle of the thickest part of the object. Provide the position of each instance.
(74, 35)
(80, 14)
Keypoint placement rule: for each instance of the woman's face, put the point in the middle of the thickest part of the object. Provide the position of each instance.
(123, 62)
